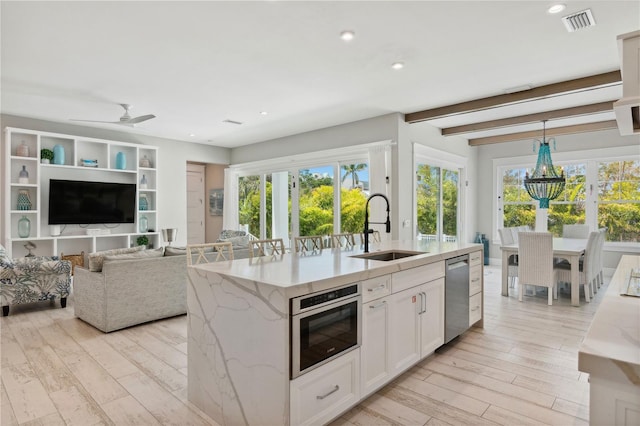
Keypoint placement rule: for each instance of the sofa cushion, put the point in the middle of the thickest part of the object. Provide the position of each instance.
(143, 254)
(175, 251)
(96, 259)
(228, 233)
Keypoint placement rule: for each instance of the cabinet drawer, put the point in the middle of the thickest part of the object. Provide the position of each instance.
(475, 258)
(322, 394)
(475, 308)
(375, 288)
(415, 276)
(475, 280)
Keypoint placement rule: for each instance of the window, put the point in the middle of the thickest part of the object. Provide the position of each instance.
(437, 206)
(619, 200)
(569, 207)
(599, 192)
(271, 205)
(518, 207)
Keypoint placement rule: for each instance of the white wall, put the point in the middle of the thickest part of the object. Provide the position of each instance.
(609, 139)
(172, 163)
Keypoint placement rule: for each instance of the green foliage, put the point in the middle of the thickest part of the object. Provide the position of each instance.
(46, 154)
(142, 240)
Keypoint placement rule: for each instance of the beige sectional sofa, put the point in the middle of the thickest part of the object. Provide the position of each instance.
(131, 291)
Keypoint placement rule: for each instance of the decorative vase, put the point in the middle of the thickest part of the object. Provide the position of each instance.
(24, 202)
(58, 154)
(23, 176)
(478, 238)
(24, 227)
(143, 203)
(143, 182)
(22, 150)
(121, 161)
(144, 224)
(485, 243)
(144, 162)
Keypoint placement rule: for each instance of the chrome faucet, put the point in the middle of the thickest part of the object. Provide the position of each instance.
(368, 231)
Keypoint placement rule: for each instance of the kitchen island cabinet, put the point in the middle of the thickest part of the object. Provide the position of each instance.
(239, 331)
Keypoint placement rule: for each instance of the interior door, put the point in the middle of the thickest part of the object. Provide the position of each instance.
(195, 204)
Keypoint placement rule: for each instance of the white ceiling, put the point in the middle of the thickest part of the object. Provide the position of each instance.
(195, 64)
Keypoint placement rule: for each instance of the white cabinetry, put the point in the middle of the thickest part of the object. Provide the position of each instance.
(76, 149)
(375, 361)
(320, 395)
(475, 287)
(416, 315)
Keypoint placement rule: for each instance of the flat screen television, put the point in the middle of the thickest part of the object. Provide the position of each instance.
(73, 202)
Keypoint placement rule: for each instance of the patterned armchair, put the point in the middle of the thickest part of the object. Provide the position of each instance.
(33, 279)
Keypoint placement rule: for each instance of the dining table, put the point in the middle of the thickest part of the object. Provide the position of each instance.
(565, 248)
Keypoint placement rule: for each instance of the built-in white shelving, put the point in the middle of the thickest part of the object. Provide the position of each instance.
(140, 160)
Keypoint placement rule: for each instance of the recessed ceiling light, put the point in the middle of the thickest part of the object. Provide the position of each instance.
(347, 35)
(192, 134)
(397, 65)
(263, 113)
(556, 8)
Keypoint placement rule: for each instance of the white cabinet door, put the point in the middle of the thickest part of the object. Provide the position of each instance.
(432, 316)
(375, 360)
(404, 322)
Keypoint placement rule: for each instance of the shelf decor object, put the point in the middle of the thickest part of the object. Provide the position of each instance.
(30, 246)
(46, 155)
(544, 184)
(24, 227)
(144, 224)
(143, 182)
(121, 161)
(144, 162)
(23, 176)
(143, 202)
(24, 202)
(22, 150)
(88, 162)
(58, 154)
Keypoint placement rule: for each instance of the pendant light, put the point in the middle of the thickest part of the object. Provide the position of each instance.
(544, 184)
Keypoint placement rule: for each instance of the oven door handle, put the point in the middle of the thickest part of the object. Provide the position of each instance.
(334, 390)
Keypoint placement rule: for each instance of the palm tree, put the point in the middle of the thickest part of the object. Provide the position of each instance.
(353, 169)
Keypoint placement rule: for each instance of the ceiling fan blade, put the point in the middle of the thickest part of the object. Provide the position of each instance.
(95, 121)
(140, 119)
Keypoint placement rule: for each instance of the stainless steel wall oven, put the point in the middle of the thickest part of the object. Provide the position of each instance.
(324, 325)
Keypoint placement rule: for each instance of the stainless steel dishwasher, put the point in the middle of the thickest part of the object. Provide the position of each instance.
(456, 297)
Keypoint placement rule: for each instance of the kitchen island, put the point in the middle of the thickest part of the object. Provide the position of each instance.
(610, 353)
(239, 321)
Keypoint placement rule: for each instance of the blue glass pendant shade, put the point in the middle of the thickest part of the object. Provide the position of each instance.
(545, 183)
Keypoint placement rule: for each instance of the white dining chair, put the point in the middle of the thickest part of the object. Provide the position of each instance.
(602, 234)
(588, 267)
(209, 252)
(506, 238)
(268, 247)
(575, 230)
(535, 263)
(310, 243)
(345, 240)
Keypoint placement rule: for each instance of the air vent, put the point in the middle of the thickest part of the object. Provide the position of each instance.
(579, 20)
(232, 122)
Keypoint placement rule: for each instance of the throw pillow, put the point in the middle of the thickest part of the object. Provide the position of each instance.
(96, 259)
(143, 254)
(240, 241)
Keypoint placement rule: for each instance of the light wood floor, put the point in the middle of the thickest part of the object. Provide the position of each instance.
(521, 369)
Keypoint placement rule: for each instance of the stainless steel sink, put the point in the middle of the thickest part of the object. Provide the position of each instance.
(388, 255)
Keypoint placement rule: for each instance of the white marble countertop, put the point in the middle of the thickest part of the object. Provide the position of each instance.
(612, 345)
(301, 274)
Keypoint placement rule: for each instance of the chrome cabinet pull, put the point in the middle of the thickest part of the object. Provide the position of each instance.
(376, 306)
(425, 302)
(335, 389)
(477, 279)
(380, 287)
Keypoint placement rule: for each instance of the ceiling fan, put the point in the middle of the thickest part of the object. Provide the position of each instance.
(125, 120)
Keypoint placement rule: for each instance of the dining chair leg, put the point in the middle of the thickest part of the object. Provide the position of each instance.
(550, 296)
(520, 291)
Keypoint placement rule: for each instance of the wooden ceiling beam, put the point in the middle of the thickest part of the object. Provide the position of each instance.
(529, 118)
(537, 134)
(578, 84)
